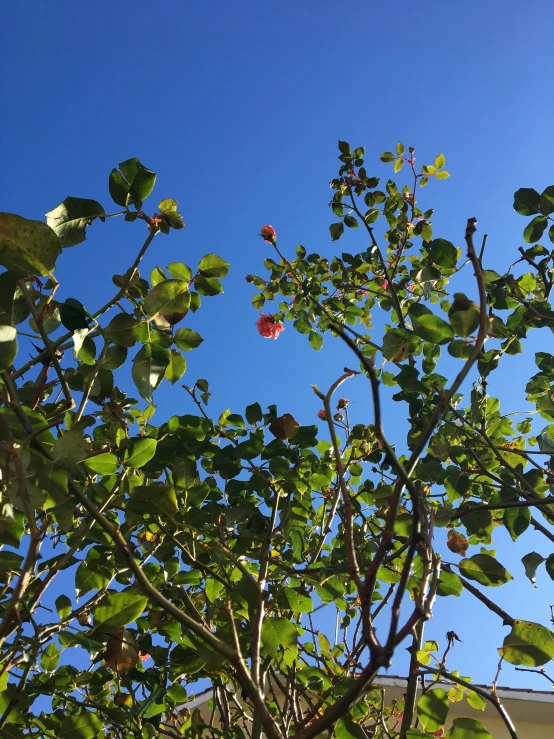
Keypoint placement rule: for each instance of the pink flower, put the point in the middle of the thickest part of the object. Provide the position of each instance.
(267, 327)
(143, 656)
(321, 414)
(268, 234)
(385, 284)
(343, 402)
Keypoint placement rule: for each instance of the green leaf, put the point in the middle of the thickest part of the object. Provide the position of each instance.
(187, 339)
(170, 298)
(316, 340)
(168, 208)
(103, 464)
(464, 315)
(535, 229)
(485, 570)
(133, 184)
(118, 187)
(443, 253)
(432, 709)
(8, 346)
(94, 573)
(547, 201)
(398, 164)
(527, 201)
(295, 600)
(73, 315)
(400, 148)
(475, 700)
(344, 147)
(63, 606)
(449, 584)
(442, 175)
(516, 521)
(156, 276)
(213, 589)
(253, 413)
(440, 161)
(336, 230)
(278, 632)
(531, 561)
(387, 156)
(142, 184)
(398, 343)
(114, 357)
(467, 728)
(528, 644)
(351, 222)
(428, 274)
(85, 348)
(27, 247)
(148, 369)
(8, 287)
(179, 271)
(345, 728)
(85, 726)
(460, 349)
(139, 452)
(70, 219)
(550, 566)
(10, 562)
(213, 266)
(11, 529)
(118, 609)
(433, 329)
(71, 447)
(207, 285)
(154, 499)
(176, 367)
(121, 330)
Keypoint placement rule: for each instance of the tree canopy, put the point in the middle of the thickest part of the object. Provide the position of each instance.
(196, 551)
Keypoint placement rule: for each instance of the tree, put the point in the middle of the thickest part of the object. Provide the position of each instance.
(200, 548)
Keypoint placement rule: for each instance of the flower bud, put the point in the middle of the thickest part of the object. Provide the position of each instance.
(268, 234)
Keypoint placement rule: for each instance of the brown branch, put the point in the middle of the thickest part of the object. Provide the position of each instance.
(338, 709)
(50, 348)
(461, 512)
(11, 612)
(389, 279)
(491, 605)
(251, 689)
(260, 588)
(410, 697)
(347, 501)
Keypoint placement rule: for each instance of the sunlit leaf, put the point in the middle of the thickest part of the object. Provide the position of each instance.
(27, 247)
(528, 644)
(71, 218)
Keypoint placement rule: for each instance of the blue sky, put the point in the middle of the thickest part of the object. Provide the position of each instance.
(238, 107)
